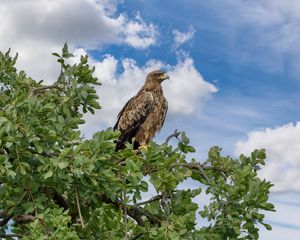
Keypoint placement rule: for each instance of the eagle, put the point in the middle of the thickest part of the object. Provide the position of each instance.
(144, 114)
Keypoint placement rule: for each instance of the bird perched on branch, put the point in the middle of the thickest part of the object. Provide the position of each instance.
(144, 114)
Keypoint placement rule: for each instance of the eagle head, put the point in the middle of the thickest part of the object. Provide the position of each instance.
(157, 76)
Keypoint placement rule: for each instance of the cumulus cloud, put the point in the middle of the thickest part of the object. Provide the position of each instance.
(283, 154)
(187, 87)
(185, 90)
(37, 28)
(183, 37)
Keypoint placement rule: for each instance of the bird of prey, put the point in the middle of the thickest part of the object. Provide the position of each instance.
(144, 114)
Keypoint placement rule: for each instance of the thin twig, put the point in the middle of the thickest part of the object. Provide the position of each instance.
(137, 236)
(78, 208)
(175, 134)
(204, 174)
(6, 218)
(125, 215)
(196, 166)
(135, 212)
(47, 231)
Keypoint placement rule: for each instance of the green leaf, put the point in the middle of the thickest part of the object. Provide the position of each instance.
(267, 226)
(62, 165)
(8, 144)
(22, 170)
(184, 138)
(38, 147)
(84, 59)
(48, 174)
(56, 54)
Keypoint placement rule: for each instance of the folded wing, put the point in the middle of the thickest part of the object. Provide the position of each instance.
(132, 116)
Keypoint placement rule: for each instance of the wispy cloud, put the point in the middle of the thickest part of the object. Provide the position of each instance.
(265, 32)
(183, 37)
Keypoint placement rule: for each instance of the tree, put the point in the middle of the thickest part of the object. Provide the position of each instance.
(56, 185)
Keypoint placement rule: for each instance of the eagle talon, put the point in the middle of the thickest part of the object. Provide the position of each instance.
(143, 147)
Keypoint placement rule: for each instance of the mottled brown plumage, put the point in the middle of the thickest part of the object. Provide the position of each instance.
(144, 114)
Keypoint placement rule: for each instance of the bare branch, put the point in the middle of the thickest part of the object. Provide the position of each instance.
(18, 218)
(4, 214)
(23, 218)
(5, 218)
(125, 215)
(155, 198)
(196, 166)
(11, 235)
(55, 85)
(134, 212)
(175, 134)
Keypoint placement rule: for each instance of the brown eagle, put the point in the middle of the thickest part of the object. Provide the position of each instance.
(144, 114)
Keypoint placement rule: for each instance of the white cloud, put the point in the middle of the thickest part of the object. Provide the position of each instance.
(138, 34)
(37, 28)
(185, 90)
(183, 37)
(283, 154)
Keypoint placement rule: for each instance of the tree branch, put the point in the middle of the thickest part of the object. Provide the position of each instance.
(155, 198)
(175, 134)
(55, 85)
(5, 217)
(18, 218)
(23, 218)
(11, 235)
(134, 212)
(196, 166)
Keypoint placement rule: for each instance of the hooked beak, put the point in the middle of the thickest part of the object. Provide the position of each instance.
(164, 77)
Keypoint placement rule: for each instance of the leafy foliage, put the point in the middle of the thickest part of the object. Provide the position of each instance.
(56, 185)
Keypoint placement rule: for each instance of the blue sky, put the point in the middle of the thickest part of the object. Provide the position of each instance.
(233, 66)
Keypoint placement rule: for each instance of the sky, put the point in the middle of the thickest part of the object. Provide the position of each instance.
(233, 67)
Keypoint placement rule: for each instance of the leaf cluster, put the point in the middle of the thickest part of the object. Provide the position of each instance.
(56, 185)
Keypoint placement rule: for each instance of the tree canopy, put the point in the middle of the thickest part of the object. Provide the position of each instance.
(55, 184)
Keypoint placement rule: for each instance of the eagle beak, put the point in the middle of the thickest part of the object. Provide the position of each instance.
(164, 77)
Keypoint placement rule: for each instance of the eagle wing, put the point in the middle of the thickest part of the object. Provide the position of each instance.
(132, 116)
(164, 113)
